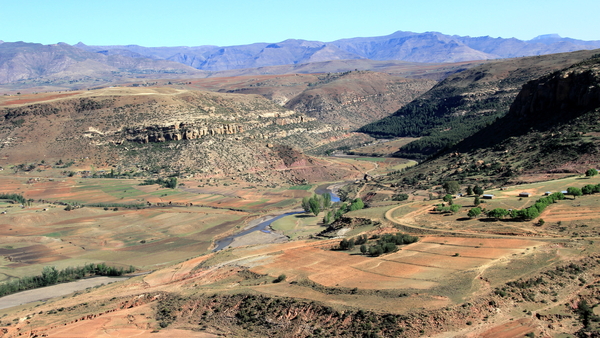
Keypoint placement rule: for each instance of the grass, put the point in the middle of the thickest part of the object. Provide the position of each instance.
(300, 225)
(301, 187)
(372, 213)
(371, 159)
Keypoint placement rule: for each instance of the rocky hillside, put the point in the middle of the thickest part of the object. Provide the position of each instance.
(167, 130)
(353, 99)
(552, 127)
(465, 102)
(348, 99)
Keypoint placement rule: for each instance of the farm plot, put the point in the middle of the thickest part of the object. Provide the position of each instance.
(422, 265)
(31, 239)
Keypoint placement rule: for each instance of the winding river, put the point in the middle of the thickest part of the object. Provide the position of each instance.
(226, 241)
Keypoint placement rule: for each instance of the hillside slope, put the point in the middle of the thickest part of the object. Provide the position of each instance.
(349, 99)
(465, 102)
(164, 130)
(552, 127)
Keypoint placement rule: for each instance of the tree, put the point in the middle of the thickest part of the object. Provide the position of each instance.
(344, 244)
(403, 197)
(171, 183)
(448, 198)
(478, 190)
(326, 200)
(351, 244)
(451, 187)
(306, 204)
(574, 192)
(327, 218)
(591, 172)
(497, 213)
(50, 275)
(357, 204)
(454, 208)
(476, 201)
(363, 249)
(315, 206)
(469, 190)
(588, 189)
(474, 212)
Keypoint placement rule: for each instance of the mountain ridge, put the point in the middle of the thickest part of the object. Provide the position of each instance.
(400, 45)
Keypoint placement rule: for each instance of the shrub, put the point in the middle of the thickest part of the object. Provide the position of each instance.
(280, 278)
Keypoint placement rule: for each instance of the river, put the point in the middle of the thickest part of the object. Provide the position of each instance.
(225, 242)
(262, 226)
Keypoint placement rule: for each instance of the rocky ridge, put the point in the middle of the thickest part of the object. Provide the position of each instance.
(162, 129)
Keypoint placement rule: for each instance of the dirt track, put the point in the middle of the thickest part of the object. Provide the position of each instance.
(59, 290)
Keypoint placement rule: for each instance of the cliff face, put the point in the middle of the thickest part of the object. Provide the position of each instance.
(466, 102)
(553, 126)
(560, 96)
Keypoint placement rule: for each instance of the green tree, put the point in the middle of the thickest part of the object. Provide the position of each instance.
(497, 213)
(363, 249)
(451, 187)
(474, 212)
(574, 192)
(588, 189)
(327, 218)
(469, 190)
(478, 190)
(172, 183)
(306, 204)
(476, 201)
(591, 172)
(326, 200)
(448, 198)
(315, 206)
(49, 275)
(344, 244)
(454, 208)
(357, 204)
(351, 244)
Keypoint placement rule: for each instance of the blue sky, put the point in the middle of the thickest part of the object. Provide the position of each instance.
(192, 23)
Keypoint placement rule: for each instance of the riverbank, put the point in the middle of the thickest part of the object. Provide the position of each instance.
(256, 232)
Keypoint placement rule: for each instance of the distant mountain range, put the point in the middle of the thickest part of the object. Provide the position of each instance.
(429, 47)
(62, 66)
(27, 63)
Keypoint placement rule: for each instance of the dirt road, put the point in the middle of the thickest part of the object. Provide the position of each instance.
(58, 290)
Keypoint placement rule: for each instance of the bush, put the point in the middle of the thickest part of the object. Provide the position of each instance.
(280, 278)
(400, 197)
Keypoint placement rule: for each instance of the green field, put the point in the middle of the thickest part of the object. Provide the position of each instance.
(301, 187)
(299, 225)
